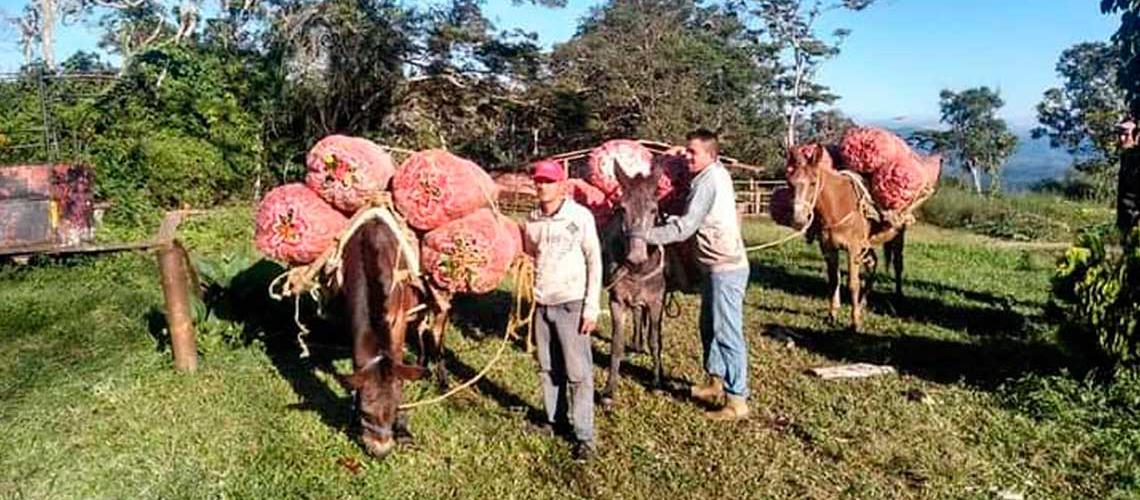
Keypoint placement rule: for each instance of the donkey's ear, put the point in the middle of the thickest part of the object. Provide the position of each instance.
(406, 372)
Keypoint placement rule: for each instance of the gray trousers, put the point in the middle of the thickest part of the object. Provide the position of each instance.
(566, 367)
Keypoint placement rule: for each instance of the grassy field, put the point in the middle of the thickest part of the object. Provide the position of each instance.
(980, 407)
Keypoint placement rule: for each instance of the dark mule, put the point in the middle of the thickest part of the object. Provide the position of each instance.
(379, 302)
(836, 202)
(637, 284)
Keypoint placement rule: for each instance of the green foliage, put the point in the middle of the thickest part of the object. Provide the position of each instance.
(1127, 41)
(1098, 294)
(789, 31)
(826, 126)
(1105, 414)
(658, 69)
(186, 170)
(1081, 116)
(1024, 217)
(978, 141)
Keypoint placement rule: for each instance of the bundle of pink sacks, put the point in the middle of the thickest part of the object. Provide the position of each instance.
(898, 176)
(466, 245)
(600, 191)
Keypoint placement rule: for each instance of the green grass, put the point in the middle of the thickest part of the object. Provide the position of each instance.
(92, 409)
(1025, 216)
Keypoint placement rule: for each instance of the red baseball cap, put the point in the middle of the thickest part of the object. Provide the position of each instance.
(548, 171)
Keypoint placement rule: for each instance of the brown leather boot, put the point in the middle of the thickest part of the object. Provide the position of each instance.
(712, 392)
(736, 408)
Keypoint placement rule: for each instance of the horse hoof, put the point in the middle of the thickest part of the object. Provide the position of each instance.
(405, 438)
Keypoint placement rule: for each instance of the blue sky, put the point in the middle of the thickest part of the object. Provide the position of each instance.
(900, 54)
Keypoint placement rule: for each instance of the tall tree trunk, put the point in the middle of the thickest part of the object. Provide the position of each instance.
(977, 176)
(47, 33)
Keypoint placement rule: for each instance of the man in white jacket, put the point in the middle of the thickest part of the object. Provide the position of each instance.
(561, 236)
(711, 216)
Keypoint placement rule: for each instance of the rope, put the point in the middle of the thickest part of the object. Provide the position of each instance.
(807, 226)
(300, 280)
(523, 273)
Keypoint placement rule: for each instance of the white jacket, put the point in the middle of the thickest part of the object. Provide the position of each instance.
(567, 257)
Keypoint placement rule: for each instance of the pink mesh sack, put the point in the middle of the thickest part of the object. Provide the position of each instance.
(673, 185)
(782, 206)
(348, 171)
(592, 198)
(295, 225)
(473, 253)
(434, 187)
(630, 157)
(897, 186)
(867, 150)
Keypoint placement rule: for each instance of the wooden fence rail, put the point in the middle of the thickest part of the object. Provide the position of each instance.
(752, 198)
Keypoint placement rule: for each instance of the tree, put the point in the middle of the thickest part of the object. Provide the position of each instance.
(977, 140)
(1081, 116)
(657, 68)
(789, 29)
(826, 126)
(1127, 42)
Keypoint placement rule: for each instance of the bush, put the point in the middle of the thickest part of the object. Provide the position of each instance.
(185, 170)
(1019, 217)
(1096, 296)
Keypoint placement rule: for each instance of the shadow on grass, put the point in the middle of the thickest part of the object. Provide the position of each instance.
(246, 302)
(673, 387)
(994, 316)
(985, 363)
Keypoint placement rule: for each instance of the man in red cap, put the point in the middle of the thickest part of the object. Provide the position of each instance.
(561, 236)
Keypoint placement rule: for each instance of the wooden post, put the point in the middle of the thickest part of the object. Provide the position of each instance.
(755, 195)
(172, 261)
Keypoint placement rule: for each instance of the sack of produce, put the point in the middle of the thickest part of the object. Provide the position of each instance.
(631, 158)
(473, 253)
(294, 225)
(435, 187)
(348, 171)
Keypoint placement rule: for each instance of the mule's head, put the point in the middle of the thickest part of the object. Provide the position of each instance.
(638, 211)
(379, 389)
(804, 169)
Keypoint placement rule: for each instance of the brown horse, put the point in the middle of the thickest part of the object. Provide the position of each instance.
(834, 204)
(379, 302)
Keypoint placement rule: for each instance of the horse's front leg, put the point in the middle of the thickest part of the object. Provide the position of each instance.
(871, 265)
(854, 262)
(831, 256)
(617, 346)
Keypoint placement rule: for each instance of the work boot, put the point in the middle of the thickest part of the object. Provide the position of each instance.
(712, 392)
(735, 409)
(583, 451)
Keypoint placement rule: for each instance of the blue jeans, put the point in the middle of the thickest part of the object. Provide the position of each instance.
(722, 329)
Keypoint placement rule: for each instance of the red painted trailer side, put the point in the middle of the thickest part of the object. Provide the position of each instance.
(45, 205)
